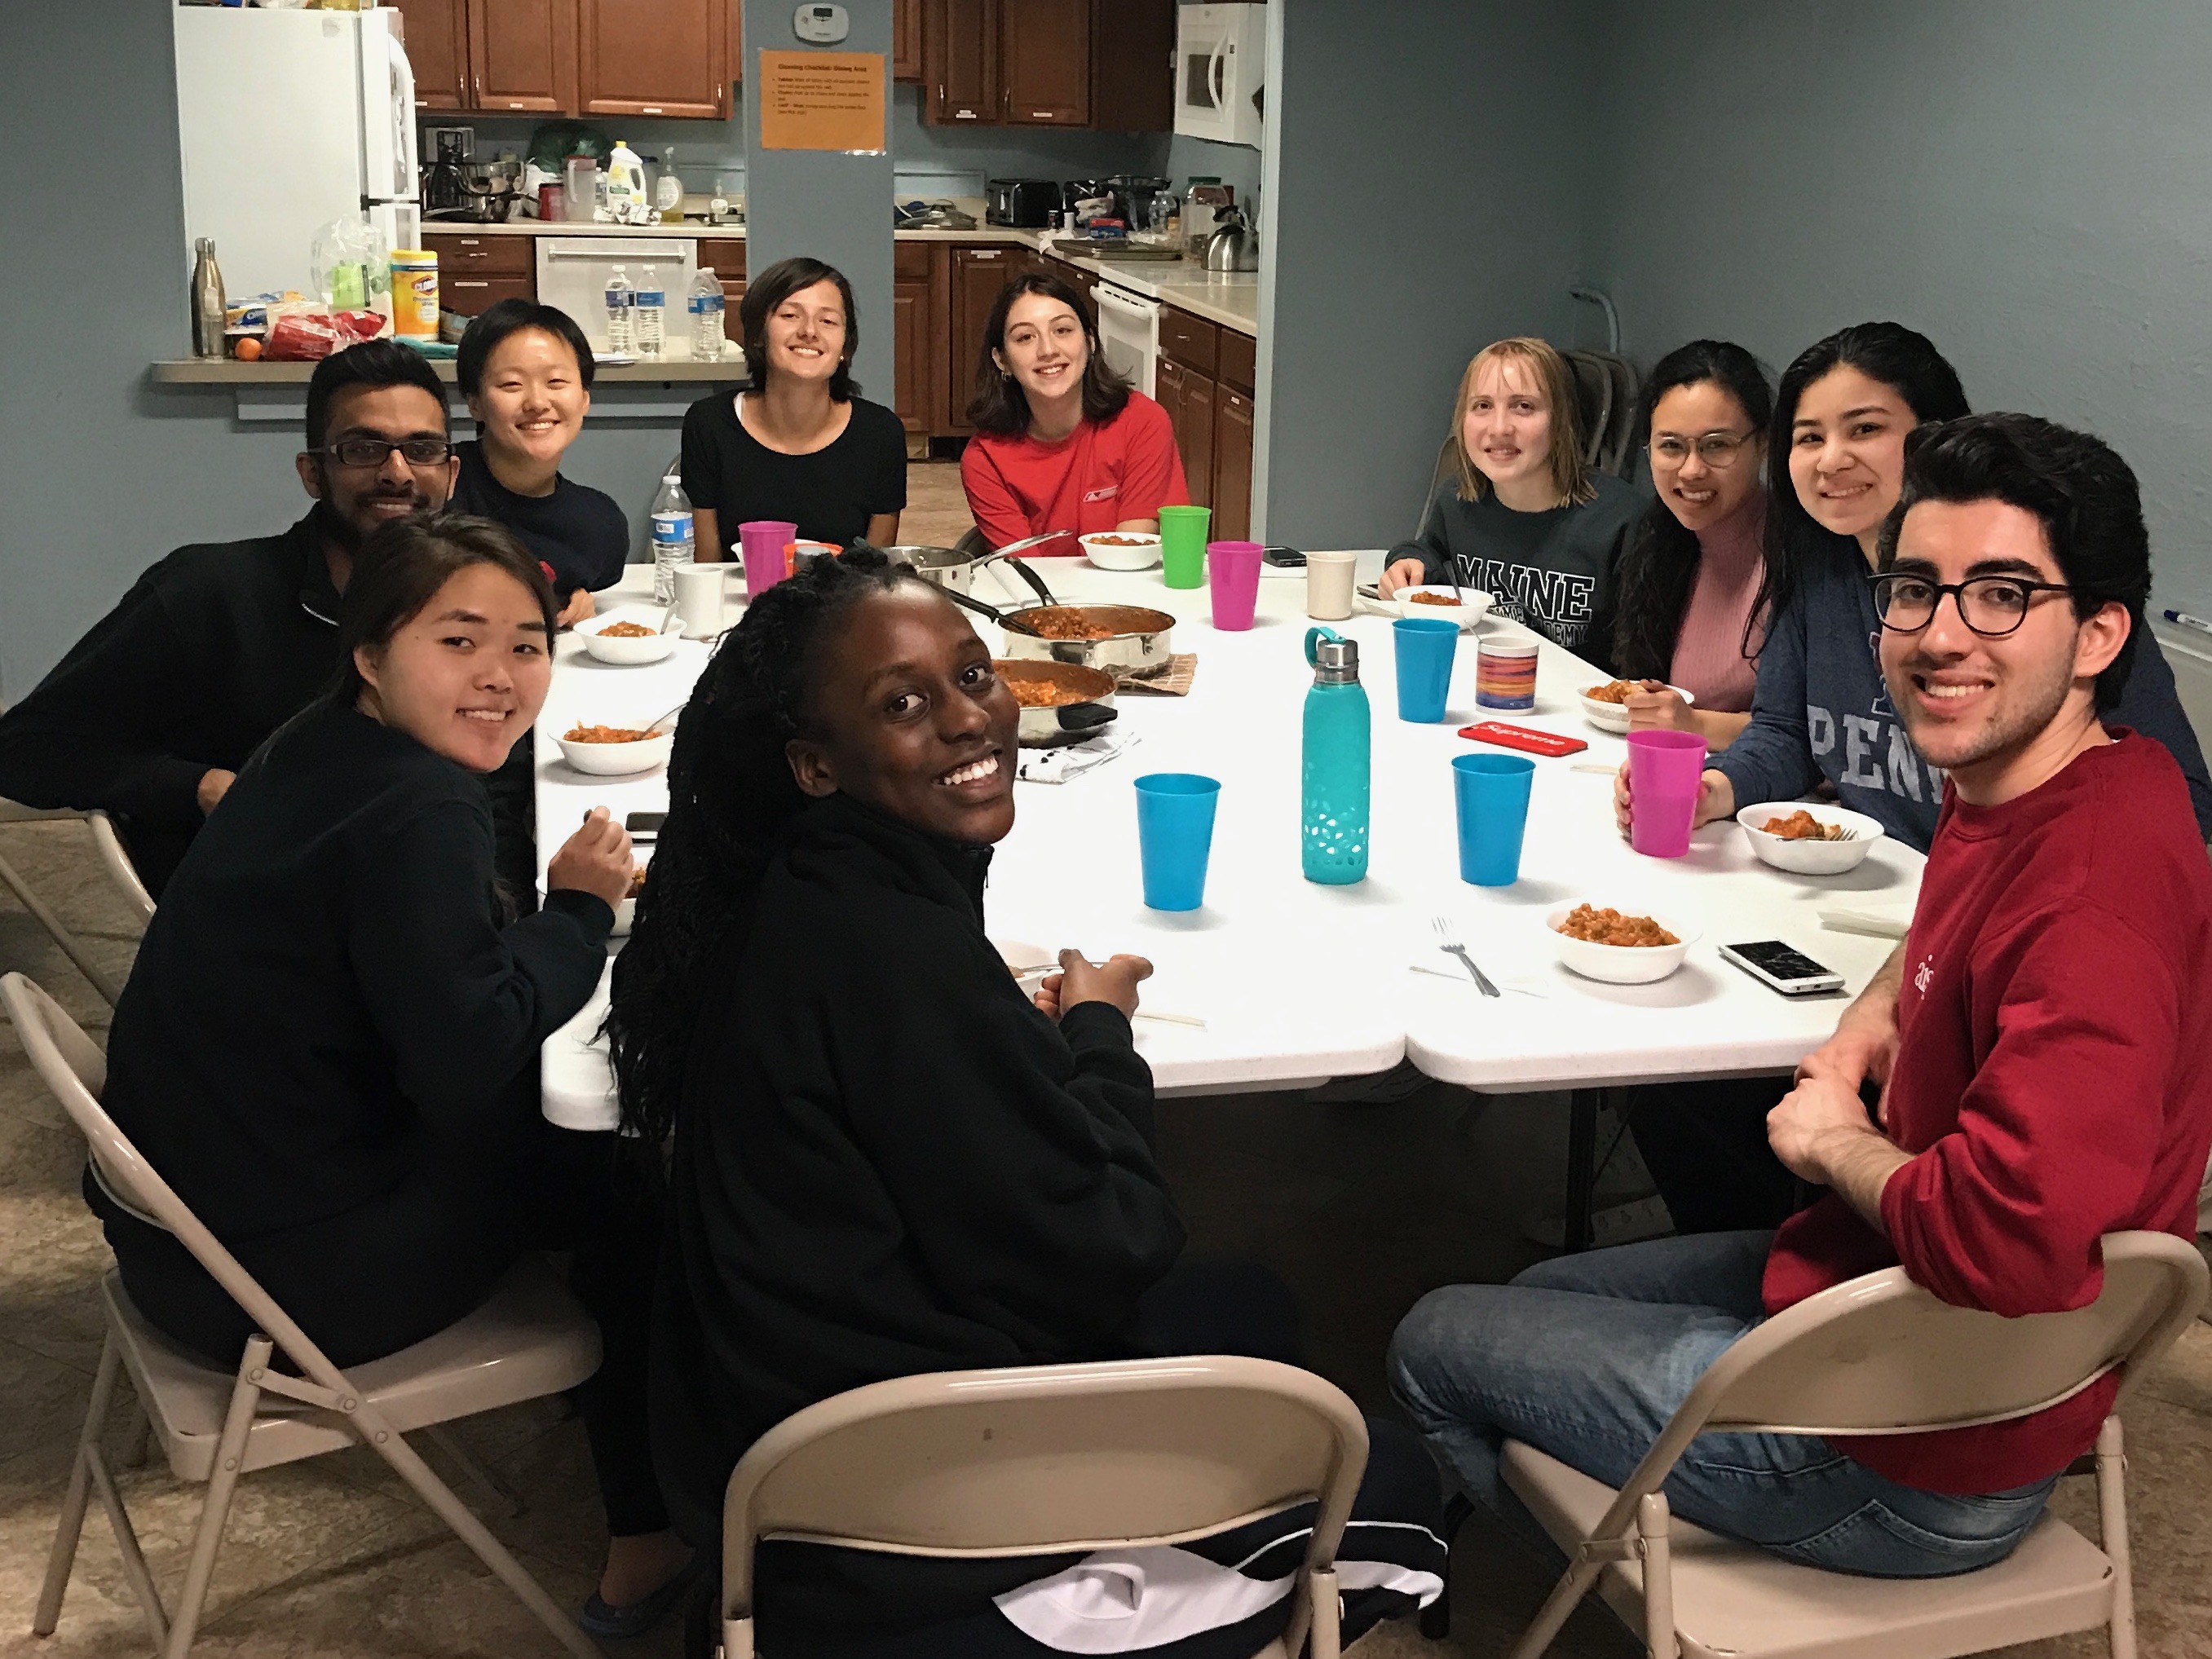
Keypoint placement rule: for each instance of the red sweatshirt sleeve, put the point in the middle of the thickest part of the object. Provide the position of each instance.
(997, 512)
(2057, 1130)
(1152, 474)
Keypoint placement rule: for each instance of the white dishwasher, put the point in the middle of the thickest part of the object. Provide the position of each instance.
(573, 273)
(1129, 335)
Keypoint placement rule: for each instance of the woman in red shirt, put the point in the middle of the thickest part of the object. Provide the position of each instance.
(1061, 442)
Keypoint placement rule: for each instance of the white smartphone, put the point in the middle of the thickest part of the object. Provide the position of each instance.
(1778, 968)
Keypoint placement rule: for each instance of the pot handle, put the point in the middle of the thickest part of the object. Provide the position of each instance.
(1087, 716)
(1313, 637)
(1021, 568)
(967, 602)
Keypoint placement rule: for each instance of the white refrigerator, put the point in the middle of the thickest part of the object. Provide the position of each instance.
(287, 120)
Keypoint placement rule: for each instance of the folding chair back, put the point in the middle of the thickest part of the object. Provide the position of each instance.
(1042, 1460)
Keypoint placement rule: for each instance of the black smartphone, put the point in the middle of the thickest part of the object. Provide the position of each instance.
(644, 826)
(1778, 968)
(1283, 558)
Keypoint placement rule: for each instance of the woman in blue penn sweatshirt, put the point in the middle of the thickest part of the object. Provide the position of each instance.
(1835, 462)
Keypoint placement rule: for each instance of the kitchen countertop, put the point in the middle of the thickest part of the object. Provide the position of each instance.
(228, 371)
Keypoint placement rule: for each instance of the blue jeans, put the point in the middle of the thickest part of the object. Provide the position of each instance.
(1587, 1357)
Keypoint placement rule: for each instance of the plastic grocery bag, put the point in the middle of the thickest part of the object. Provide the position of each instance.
(351, 267)
(306, 333)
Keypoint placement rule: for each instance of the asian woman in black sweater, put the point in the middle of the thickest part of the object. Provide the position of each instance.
(886, 1160)
(329, 1043)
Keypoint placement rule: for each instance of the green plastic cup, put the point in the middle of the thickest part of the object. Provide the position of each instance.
(1183, 544)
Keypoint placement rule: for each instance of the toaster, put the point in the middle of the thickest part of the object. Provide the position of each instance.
(1023, 204)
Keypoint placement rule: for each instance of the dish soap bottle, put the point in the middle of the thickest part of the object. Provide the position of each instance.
(1338, 741)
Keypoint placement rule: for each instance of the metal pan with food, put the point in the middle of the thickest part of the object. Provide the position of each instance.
(1062, 703)
(954, 568)
(1128, 642)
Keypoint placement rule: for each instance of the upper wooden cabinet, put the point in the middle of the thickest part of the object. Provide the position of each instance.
(1099, 63)
(653, 56)
(522, 55)
(437, 33)
(905, 39)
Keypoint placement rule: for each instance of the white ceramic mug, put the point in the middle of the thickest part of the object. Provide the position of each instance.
(1328, 584)
(699, 594)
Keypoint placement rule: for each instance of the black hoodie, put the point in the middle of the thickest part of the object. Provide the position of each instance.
(887, 1161)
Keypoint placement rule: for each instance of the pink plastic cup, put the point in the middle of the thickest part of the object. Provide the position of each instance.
(762, 542)
(1232, 572)
(1664, 771)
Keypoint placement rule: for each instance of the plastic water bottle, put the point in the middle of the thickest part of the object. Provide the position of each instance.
(705, 303)
(672, 543)
(620, 300)
(649, 316)
(1338, 742)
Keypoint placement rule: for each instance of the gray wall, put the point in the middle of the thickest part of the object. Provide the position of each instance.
(2030, 185)
(1434, 185)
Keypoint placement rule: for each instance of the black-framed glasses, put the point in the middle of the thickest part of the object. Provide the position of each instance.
(1717, 450)
(1993, 606)
(365, 451)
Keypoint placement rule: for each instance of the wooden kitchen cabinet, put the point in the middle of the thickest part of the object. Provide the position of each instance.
(1044, 62)
(915, 338)
(907, 30)
(522, 55)
(654, 57)
(976, 276)
(436, 33)
(475, 272)
(1098, 63)
(1188, 399)
(471, 296)
(1232, 468)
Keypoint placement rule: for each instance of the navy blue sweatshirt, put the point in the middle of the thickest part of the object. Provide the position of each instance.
(1821, 710)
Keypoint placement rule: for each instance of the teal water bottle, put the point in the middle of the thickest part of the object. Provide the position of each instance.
(1338, 742)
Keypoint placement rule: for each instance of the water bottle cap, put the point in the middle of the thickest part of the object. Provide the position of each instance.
(1337, 653)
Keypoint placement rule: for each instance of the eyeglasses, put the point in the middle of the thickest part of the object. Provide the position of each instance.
(1993, 606)
(373, 451)
(1717, 450)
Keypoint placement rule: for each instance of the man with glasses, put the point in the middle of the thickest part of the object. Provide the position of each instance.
(2036, 1047)
(152, 713)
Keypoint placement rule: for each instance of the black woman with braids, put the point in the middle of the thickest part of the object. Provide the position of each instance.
(886, 1160)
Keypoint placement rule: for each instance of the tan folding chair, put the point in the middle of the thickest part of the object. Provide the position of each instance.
(71, 946)
(1046, 1459)
(116, 862)
(1877, 1355)
(529, 1340)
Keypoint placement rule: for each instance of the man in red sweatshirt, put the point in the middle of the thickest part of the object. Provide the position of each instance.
(2037, 1042)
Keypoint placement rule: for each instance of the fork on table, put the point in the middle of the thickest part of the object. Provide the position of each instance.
(1448, 937)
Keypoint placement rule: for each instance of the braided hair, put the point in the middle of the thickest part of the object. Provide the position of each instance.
(731, 794)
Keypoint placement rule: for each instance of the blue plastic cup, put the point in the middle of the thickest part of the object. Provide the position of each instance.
(1426, 646)
(1174, 834)
(1493, 794)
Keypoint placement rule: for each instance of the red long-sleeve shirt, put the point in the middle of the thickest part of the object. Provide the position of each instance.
(2055, 1025)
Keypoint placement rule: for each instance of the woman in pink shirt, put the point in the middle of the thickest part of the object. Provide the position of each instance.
(1689, 582)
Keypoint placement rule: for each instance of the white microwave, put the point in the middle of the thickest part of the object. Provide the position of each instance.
(1221, 56)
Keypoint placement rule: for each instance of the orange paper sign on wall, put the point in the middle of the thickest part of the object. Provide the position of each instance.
(821, 101)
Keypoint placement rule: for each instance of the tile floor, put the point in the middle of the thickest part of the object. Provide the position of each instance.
(1361, 1207)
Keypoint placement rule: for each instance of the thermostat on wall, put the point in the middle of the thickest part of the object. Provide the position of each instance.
(823, 25)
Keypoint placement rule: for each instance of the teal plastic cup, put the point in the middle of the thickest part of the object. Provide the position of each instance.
(1174, 836)
(1491, 791)
(1426, 646)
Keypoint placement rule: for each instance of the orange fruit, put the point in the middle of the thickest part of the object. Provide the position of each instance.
(249, 349)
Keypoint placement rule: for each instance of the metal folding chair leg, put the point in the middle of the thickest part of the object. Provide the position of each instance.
(108, 989)
(215, 1506)
(490, 1486)
(2113, 1534)
(88, 1474)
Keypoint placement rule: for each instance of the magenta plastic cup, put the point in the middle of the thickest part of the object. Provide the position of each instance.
(1232, 573)
(762, 542)
(1664, 771)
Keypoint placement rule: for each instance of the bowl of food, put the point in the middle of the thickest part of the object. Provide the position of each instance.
(1809, 839)
(626, 912)
(1062, 703)
(1631, 947)
(1121, 550)
(1466, 605)
(627, 635)
(1028, 963)
(613, 752)
(1606, 705)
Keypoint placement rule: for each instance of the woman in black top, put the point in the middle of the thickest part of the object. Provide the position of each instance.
(798, 443)
(527, 371)
(886, 1161)
(329, 1043)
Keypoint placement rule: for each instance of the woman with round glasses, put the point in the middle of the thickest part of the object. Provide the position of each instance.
(1835, 465)
(1689, 581)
